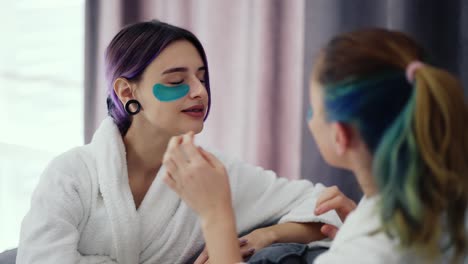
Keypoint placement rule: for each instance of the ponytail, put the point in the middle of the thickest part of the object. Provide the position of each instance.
(421, 166)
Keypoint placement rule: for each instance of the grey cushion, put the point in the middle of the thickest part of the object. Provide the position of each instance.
(8, 257)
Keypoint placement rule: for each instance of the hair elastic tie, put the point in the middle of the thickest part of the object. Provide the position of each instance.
(411, 69)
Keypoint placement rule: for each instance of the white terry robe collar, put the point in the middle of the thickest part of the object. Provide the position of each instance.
(111, 168)
(364, 220)
(133, 230)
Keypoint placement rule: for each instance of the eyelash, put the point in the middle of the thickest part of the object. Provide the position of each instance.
(176, 83)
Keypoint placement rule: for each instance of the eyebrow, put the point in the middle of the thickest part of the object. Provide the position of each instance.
(181, 69)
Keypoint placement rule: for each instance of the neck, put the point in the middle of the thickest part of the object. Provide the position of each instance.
(362, 168)
(366, 181)
(145, 150)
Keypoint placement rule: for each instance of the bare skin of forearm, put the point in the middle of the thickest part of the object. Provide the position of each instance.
(220, 234)
(295, 232)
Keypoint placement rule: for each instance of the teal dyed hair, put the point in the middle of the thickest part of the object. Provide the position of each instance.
(397, 163)
(371, 104)
(415, 130)
(382, 108)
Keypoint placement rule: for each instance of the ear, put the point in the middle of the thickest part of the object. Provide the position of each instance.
(123, 89)
(342, 134)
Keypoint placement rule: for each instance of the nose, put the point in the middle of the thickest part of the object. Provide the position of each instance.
(197, 89)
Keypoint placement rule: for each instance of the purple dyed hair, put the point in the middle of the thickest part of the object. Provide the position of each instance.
(132, 50)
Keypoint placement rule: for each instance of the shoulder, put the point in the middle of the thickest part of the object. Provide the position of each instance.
(71, 160)
(364, 248)
(360, 233)
(70, 167)
(362, 251)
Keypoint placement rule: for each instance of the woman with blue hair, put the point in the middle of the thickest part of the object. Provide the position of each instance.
(399, 124)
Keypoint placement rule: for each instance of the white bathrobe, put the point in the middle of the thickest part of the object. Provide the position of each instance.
(356, 242)
(83, 209)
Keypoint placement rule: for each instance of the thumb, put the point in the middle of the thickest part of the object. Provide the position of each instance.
(329, 230)
(202, 258)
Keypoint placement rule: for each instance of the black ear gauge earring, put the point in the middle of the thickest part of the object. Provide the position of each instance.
(128, 105)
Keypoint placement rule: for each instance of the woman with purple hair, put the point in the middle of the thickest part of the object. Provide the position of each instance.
(106, 202)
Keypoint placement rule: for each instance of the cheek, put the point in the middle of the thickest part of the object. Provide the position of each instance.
(316, 130)
(314, 123)
(321, 133)
(170, 93)
(311, 126)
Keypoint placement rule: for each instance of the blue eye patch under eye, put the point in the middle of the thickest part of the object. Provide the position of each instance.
(170, 93)
(309, 113)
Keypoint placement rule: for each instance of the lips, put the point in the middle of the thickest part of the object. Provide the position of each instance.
(196, 111)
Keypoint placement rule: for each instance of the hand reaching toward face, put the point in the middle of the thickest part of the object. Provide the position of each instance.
(197, 176)
(333, 199)
(201, 181)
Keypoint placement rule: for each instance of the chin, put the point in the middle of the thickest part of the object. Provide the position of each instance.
(198, 130)
(195, 128)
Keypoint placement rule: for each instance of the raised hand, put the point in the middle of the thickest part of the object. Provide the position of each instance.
(333, 199)
(201, 181)
(197, 176)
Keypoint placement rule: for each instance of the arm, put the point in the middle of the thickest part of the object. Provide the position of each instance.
(260, 197)
(49, 231)
(281, 233)
(260, 205)
(293, 233)
(202, 182)
(333, 199)
(221, 248)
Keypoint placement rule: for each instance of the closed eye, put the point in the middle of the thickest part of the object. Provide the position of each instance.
(176, 83)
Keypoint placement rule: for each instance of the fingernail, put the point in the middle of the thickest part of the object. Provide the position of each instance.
(252, 250)
(325, 229)
(243, 241)
(318, 210)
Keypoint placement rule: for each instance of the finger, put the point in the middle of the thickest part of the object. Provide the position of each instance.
(174, 142)
(328, 194)
(187, 138)
(175, 152)
(247, 252)
(169, 164)
(191, 150)
(167, 178)
(329, 230)
(180, 157)
(202, 258)
(243, 242)
(341, 204)
(336, 203)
